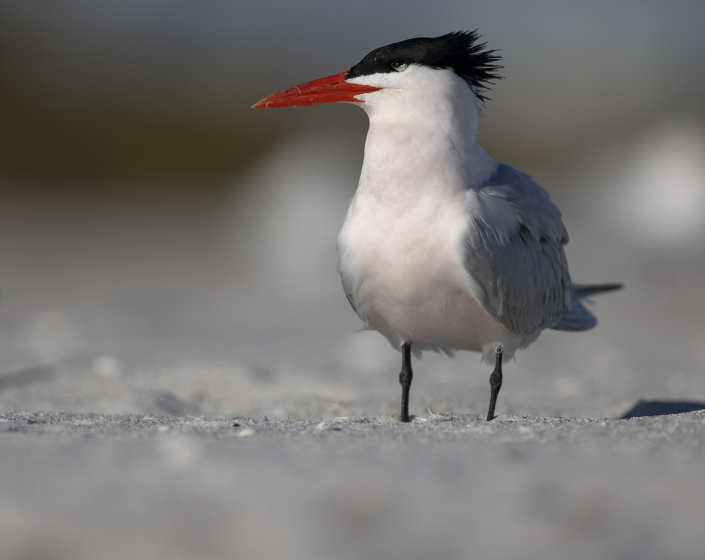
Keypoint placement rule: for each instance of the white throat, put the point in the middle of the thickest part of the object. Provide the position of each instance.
(423, 125)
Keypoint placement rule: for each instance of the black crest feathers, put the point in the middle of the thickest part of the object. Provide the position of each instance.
(459, 51)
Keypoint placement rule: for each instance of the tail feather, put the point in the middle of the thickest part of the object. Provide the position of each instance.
(587, 290)
(577, 318)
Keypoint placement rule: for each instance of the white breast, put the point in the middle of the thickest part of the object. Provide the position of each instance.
(400, 247)
(405, 274)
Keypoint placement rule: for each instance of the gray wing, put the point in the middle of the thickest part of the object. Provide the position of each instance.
(514, 253)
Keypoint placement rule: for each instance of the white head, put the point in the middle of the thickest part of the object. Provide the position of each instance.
(424, 94)
(409, 79)
(420, 97)
(426, 72)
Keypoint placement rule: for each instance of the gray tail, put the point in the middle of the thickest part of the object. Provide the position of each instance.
(587, 290)
(577, 318)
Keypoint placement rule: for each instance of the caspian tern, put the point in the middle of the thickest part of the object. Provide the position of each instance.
(442, 248)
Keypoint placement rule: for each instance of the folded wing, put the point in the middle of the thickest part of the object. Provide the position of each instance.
(514, 253)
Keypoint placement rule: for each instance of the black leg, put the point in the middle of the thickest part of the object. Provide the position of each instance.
(495, 383)
(405, 378)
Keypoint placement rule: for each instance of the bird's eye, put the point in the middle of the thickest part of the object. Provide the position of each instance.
(400, 65)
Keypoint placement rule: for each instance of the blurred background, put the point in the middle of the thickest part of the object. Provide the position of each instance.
(150, 219)
(167, 251)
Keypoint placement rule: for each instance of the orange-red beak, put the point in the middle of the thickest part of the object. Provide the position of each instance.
(326, 90)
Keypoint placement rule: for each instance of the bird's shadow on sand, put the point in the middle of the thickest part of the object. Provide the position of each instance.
(662, 408)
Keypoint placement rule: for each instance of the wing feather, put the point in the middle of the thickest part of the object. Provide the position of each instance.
(517, 262)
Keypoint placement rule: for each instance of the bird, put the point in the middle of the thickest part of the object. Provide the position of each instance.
(442, 249)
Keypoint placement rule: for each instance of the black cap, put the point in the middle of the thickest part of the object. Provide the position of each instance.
(458, 51)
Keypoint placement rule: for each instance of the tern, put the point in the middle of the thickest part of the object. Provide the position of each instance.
(441, 248)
